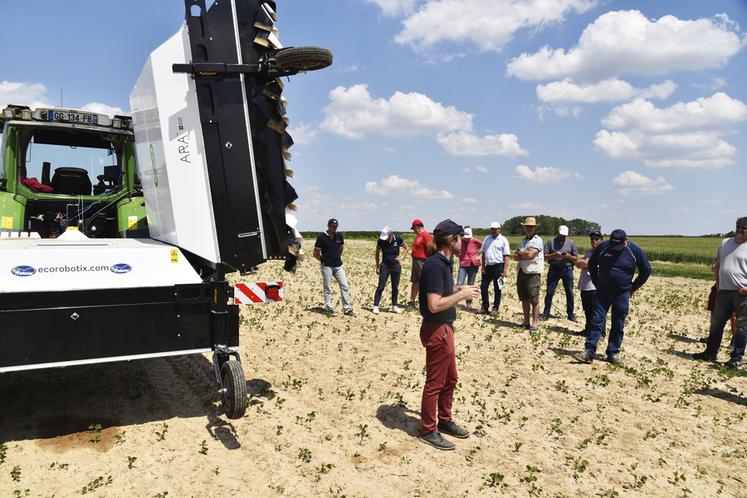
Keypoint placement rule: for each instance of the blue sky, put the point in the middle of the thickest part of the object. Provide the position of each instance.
(632, 114)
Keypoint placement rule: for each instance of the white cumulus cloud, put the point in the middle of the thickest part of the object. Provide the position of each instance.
(464, 143)
(684, 135)
(304, 134)
(609, 90)
(488, 24)
(541, 174)
(395, 7)
(36, 95)
(394, 184)
(631, 182)
(626, 42)
(353, 113)
(100, 108)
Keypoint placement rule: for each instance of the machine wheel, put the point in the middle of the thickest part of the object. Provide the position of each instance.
(233, 394)
(299, 59)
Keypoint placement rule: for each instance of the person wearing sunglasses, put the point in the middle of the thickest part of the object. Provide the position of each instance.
(731, 265)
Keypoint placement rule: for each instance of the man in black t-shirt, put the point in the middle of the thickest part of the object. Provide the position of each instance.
(328, 250)
(438, 299)
(390, 246)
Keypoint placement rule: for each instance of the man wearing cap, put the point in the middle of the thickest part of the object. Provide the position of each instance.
(469, 260)
(585, 285)
(438, 297)
(390, 246)
(612, 266)
(419, 255)
(495, 252)
(562, 254)
(731, 265)
(328, 250)
(528, 279)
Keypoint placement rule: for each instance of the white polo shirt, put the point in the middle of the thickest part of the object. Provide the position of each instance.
(495, 249)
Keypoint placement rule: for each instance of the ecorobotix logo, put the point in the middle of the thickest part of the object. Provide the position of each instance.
(121, 268)
(23, 271)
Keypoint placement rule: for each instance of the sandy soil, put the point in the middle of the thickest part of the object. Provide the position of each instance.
(335, 400)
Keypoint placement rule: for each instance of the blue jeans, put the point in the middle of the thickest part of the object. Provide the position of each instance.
(468, 274)
(619, 301)
(728, 302)
(338, 273)
(554, 275)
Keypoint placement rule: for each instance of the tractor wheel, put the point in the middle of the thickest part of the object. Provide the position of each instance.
(234, 389)
(300, 59)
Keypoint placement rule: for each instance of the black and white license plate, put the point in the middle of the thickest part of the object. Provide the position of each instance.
(73, 117)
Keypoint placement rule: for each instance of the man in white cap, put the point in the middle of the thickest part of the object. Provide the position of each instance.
(495, 252)
(529, 278)
(562, 254)
(390, 246)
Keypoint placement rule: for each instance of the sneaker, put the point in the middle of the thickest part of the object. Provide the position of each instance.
(526, 326)
(350, 312)
(375, 310)
(437, 441)
(484, 311)
(412, 305)
(330, 311)
(584, 357)
(614, 359)
(704, 356)
(733, 363)
(573, 319)
(396, 309)
(534, 329)
(452, 429)
(544, 318)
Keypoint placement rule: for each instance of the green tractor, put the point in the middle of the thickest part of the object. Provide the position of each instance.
(63, 168)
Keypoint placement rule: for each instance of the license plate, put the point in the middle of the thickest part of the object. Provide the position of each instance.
(73, 117)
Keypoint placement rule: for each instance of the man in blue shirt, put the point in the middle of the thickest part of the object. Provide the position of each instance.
(328, 250)
(612, 266)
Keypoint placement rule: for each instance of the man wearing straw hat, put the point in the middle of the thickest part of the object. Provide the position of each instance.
(531, 266)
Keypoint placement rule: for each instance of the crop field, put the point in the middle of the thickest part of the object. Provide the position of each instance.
(334, 408)
(671, 256)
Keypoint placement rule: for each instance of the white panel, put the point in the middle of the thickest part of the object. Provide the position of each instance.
(28, 265)
(171, 152)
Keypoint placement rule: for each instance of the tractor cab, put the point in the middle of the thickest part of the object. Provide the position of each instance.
(63, 168)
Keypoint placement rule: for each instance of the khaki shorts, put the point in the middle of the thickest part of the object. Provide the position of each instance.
(417, 267)
(528, 287)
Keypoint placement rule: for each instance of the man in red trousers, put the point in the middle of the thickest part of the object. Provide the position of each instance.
(438, 299)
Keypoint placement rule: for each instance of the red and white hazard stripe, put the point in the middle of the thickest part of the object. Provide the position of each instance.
(257, 292)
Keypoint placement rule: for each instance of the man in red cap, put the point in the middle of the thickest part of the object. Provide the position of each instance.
(419, 255)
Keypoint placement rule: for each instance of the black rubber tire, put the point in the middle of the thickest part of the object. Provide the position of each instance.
(234, 385)
(302, 59)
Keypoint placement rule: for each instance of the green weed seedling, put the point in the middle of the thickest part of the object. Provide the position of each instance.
(203, 448)
(494, 480)
(120, 437)
(362, 432)
(94, 431)
(131, 462)
(15, 473)
(96, 484)
(304, 454)
(58, 466)
(161, 435)
(3, 453)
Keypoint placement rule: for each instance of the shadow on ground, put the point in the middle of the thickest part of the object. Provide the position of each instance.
(74, 401)
(724, 395)
(401, 418)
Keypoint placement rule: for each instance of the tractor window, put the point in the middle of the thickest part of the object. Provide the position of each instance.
(70, 164)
